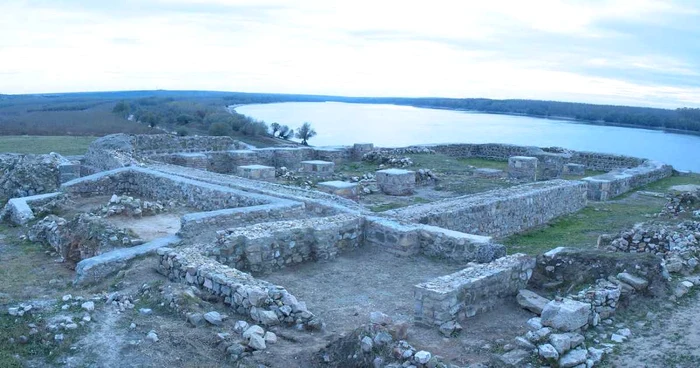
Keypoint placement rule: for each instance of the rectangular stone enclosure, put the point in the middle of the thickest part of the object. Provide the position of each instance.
(522, 168)
(396, 182)
(318, 167)
(341, 188)
(257, 172)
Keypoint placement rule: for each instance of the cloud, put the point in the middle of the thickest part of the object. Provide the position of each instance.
(618, 51)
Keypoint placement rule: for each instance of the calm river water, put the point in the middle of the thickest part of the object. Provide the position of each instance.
(396, 126)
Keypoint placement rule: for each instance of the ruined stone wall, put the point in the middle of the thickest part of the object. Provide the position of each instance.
(273, 245)
(202, 225)
(266, 303)
(592, 160)
(617, 182)
(166, 143)
(473, 290)
(500, 212)
(411, 239)
(28, 175)
(156, 185)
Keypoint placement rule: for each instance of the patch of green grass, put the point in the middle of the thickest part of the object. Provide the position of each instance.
(65, 145)
(581, 229)
(484, 163)
(665, 184)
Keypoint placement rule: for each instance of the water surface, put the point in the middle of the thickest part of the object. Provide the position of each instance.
(396, 126)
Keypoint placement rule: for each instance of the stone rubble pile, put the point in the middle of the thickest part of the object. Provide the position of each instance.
(133, 207)
(385, 159)
(677, 244)
(682, 202)
(425, 176)
(265, 303)
(557, 336)
(245, 340)
(27, 175)
(381, 343)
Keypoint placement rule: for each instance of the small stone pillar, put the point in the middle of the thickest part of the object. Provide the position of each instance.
(574, 169)
(317, 167)
(257, 172)
(341, 188)
(522, 168)
(359, 149)
(396, 182)
(549, 165)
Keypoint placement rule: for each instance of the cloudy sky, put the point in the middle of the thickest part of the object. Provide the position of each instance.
(638, 52)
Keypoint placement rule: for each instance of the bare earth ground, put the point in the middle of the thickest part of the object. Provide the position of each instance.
(671, 339)
(343, 292)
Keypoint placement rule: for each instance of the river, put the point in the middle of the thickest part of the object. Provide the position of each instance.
(396, 126)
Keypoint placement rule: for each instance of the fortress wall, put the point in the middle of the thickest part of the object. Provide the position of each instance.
(264, 302)
(592, 160)
(435, 242)
(273, 245)
(473, 290)
(500, 212)
(617, 182)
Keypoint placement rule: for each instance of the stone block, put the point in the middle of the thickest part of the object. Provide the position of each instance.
(566, 315)
(341, 188)
(550, 165)
(359, 149)
(488, 173)
(574, 169)
(193, 160)
(522, 168)
(531, 301)
(318, 167)
(256, 172)
(396, 182)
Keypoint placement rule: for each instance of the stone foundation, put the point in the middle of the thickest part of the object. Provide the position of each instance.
(396, 182)
(265, 303)
(500, 212)
(473, 290)
(522, 168)
(256, 172)
(273, 245)
(617, 182)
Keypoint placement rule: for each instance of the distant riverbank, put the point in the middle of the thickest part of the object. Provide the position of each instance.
(401, 125)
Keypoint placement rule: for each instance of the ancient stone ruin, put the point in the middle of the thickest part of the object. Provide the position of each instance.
(231, 226)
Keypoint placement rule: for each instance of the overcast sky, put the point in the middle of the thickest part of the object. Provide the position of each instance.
(637, 52)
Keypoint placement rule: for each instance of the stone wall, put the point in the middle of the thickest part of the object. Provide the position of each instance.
(566, 268)
(273, 245)
(202, 225)
(435, 242)
(166, 143)
(617, 182)
(266, 303)
(28, 175)
(156, 185)
(473, 290)
(500, 212)
(592, 160)
(19, 211)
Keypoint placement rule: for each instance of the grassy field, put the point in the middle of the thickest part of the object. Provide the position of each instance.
(65, 145)
(581, 229)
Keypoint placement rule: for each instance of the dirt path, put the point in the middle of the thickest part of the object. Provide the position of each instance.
(671, 341)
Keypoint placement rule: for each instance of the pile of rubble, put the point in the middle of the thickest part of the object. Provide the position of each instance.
(678, 244)
(682, 202)
(386, 159)
(133, 207)
(425, 176)
(556, 337)
(381, 343)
